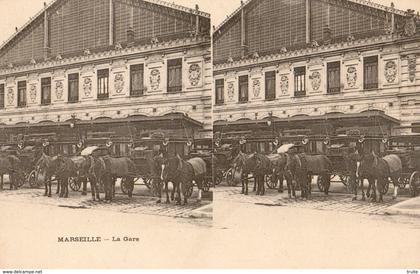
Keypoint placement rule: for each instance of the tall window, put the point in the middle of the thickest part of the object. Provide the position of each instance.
(136, 80)
(220, 89)
(243, 88)
(333, 77)
(73, 87)
(103, 81)
(1, 95)
(175, 75)
(21, 94)
(300, 82)
(270, 85)
(370, 68)
(46, 91)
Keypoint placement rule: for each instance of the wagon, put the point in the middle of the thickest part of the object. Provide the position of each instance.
(222, 158)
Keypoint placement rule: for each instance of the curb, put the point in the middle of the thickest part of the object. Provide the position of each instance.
(202, 212)
(407, 212)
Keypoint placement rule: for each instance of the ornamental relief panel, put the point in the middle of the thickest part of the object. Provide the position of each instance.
(119, 83)
(195, 75)
(351, 77)
(256, 88)
(87, 86)
(59, 90)
(284, 84)
(154, 79)
(32, 93)
(231, 90)
(315, 79)
(390, 71)
(412, 67)
(10, 95)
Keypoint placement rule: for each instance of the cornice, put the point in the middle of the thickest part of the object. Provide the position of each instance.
(110, 54)
(308, 52)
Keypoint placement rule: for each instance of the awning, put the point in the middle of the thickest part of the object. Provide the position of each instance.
(152, 122)
(378, 117)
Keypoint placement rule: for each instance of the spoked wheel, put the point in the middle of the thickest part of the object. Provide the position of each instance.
(414, 184)
(270, 183)
(320, 184)
(344, 180)
(74, 183)
(147, 182)
(124, 187)
(32, 179)
(189, 191)
(385, 188)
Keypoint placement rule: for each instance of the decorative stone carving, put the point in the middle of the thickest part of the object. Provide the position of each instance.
(231, 90)
(32, 93)
(412, 67)
(315, 80)
(284, 84)
(194, 74)
(351, 77)
(390, 71)
(410, 24)
(256, 87)
(155, 79)
(10, 96)
(59, 89)
(119, 83)
(87, 86)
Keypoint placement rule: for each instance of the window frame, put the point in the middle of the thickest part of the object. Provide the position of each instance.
(21, 93)
(73, 78)
(102, 76)
(2, 95)
(270, 75)
(133, 70)
(220, 83)
(332, 67)
(299, 73)
(370, 62)
(43, 85)
(171, 65)
(241, 85)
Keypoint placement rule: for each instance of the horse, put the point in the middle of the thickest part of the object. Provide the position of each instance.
(377, 170)
(11, 165)
(182, 174)
(106, 169)
(47, 165)
(156, 167)
(257, 164)
(65, 168)
(279, 163)
(302, 167)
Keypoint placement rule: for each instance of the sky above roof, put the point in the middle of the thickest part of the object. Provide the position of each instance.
(17, 12)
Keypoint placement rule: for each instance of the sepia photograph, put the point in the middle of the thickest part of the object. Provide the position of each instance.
(209, 134)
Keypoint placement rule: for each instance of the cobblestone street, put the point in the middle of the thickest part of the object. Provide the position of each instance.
(338, 199)
(140, 203)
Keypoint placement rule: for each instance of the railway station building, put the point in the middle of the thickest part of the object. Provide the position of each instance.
(98, 70)
(316, 70)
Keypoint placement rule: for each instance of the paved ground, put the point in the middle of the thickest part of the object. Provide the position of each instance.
(141, 203)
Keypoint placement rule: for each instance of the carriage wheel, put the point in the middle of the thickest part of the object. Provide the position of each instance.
(32, 179)
(403, 182)
(123, 185)
(414, 183)
(229, 178)
(189, 191)
(320, 184)
(344, 179)
(147, 182)
(270, 183)
(385, 188)
(75, 184)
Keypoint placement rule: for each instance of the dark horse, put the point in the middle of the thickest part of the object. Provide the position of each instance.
(106, 169)
(302, 167)
(256, 164)
(279, 164)
(47, 165)
(182, 174)
(65, 168)
(11, 165)
(377, 170)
